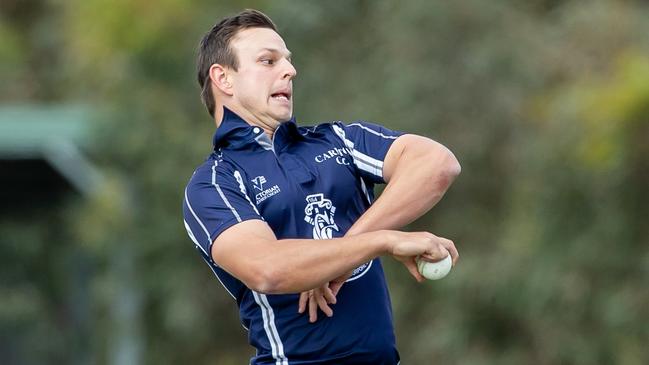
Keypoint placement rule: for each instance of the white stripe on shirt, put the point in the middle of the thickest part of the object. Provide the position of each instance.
(218, 188)
(277, 348)
(209, 239)
(373, 131)
(191, 235)
(242, 187)
(361, 160)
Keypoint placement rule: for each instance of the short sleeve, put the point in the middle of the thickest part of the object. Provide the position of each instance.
(369, 144)
(213, 202)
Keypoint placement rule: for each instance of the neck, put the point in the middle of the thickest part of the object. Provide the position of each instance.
(267, 124)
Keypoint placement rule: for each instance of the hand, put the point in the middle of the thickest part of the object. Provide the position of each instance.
(317, 298)
(338, 282)
(322, 297)
(408, 245)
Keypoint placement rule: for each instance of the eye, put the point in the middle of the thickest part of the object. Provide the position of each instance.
(267, 61)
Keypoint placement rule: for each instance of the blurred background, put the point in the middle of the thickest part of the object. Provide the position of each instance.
(544, 102)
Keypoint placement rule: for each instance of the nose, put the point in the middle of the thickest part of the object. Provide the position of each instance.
(289, 72)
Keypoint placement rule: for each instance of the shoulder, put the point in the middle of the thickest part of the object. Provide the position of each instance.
(323, 127)
(214, 169)
(336, 125)
(334, 128)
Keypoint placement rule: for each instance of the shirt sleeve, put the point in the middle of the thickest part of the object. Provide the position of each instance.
(213, 202)
(368, 144)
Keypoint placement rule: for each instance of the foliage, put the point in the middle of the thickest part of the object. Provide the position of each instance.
(545, 104)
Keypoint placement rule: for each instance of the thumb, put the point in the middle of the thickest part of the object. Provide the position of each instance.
(411, 265)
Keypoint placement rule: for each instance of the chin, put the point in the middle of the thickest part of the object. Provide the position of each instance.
(283, 117)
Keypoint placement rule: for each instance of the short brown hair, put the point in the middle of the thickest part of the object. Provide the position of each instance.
(215, 48)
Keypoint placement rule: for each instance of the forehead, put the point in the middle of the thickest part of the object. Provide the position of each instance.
(253, 40)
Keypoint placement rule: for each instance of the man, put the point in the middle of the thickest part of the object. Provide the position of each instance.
(278, 209)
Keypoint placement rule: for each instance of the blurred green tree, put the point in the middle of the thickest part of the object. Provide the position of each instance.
(545, 103)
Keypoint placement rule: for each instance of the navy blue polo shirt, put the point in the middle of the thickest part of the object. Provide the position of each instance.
(307, 182)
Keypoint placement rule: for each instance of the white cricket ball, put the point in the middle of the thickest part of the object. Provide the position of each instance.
(434, 270)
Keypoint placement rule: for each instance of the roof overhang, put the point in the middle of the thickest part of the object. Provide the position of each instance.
(54, 135)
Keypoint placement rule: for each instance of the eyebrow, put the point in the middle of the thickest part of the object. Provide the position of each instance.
(275, 50)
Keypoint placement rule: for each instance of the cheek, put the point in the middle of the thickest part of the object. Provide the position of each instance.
(254, 88)
(257, 87)
(250, 92)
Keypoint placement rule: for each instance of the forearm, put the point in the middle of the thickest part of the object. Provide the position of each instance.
(294, 265)
(418, 182)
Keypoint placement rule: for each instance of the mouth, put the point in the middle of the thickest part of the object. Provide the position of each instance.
(282, 95)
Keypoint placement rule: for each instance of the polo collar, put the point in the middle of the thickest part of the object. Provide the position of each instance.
(234, 131)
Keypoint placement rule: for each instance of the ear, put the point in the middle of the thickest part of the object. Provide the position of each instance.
(220, 78)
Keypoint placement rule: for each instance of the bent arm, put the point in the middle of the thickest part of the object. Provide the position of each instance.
(418, 171)
(250, 251)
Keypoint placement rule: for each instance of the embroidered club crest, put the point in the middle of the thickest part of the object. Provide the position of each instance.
(319, 212)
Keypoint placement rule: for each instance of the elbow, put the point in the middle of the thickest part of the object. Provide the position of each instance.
(447, 169)
(452, 168)
(441, 163)
(265, 280)
(275, 280)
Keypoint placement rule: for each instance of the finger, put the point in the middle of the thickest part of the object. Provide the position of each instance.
(429, 258)
(324, 307)
(304, 297)
(313, 307)
(443, 252)
(335, 288)
(450, 246)
(438, 254)
(329, 295)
